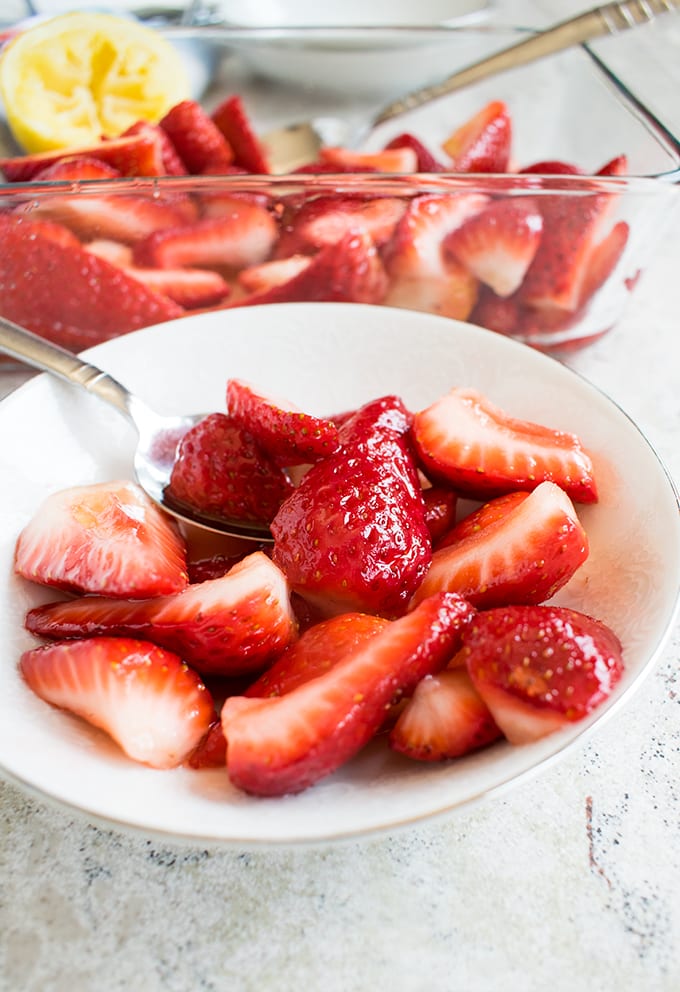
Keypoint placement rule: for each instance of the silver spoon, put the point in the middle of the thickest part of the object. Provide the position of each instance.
(158, 435)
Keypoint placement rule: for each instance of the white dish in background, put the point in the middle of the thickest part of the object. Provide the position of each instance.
(326, 357)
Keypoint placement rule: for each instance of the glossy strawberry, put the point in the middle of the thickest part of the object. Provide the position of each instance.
(540, 668)
(425, 160)
(232, 121)
(285, 744)
(172, 160)
(483, 143)
(134, 155)
(325, 220)
(445, 718)
(107, 538)
(144, 697)
(524, 555)
(76, 167)
(228, 626)
(401, 159)
(352, 536)
(440, 510)
(197, 140)
(482, 451)
(287, 434)
(475, 521)
(243, 237)
(222, 472)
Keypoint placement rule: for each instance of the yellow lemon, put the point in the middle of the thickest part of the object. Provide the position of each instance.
(70, 80)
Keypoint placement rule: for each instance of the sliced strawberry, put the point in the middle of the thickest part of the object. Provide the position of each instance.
(388, 160)
(352, 536)
(445, 718)
(229, 626)
(603, 260)
(231, 119)
(145, 698)
(481, 451)
(489, 513)
(172, 162)
(221, 471)
(76, 167)
(191, 288)
(553, 167)
(135, 155)
(316, 651)
(197, 140)
(112, 251)
(261, 278)
(524, 556)
(617, 166)
(498, 244)
(51, 230)
(483, 143)
(347, 272)
(287, 743)
(282, 430)
(79, 299)
(425, 160)
(440, 510)
(540, 668)
(327, 219)
(243, 237)
(211, 751)
(107, 538)
(453, 294)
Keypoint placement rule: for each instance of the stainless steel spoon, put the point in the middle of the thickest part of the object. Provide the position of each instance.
(158, 435)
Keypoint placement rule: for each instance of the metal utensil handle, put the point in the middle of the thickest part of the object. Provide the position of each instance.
(608, 19)
(29, 348)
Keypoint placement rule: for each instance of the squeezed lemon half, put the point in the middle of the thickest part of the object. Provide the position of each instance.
(68, 81)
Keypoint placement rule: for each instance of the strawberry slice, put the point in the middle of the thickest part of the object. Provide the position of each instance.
(540, 668)
(229, 626)
(498, 244)
(191, 288)
(352, 536)
(553, 167)
(397, 160)
(261, 278)
(197, 140)
(287, 434)
(440, 511)
(285, 744)
(234, 240)
(327, 219)
(79, 299)
(316, 651)
(145, 698)
(483, 143)
(464, 439)
(425, 160)
(232, 121)
(604, 258)
(445, 718)
(489, 513)
(453, 295)
(76, 167)
(222, 472)
(134, 155)
(172, 162)
(524, 555)
(107, 538)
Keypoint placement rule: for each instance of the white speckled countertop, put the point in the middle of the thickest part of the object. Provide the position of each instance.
(569, 883)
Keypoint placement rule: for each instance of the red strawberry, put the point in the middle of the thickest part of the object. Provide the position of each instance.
(524, 555)
(261, 278)
(145, 698)
(603, 260)
(327, 219)
(211, 751)
(489, 513)
(483, 143)
(243, 237)
(617, 166)
(425, 160)
(498, 313)
(282, 430)
(232, 121)
(481, 451)
(540, 668)
(76, 167)
(553, 167)
(222, 472)
(287, 743)
(197, 140)
(135, 155)
(440, 510)
(79, 300)
(353, 535)
(53, 231)
(107, 538)
(172, 162)
(453, 294)
(229, 626)
(347, 272)
(388, 160)
(316, 651)
(445, 718)
(190, 288)
(498, 244)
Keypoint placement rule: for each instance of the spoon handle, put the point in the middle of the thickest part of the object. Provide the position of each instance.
(607, 19)
(35, 351)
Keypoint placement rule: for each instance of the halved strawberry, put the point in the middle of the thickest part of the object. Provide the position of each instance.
(228, 626)
(285, 744)
(445, 718)
(353, 536)
(483, 143)
(524, 555)
(316, 651)
(76, 167)
(453, 294)
(134, 155)
(267, 275)
(603, 260)
(499, 243)
(221, 471)
(232, 121)
(196, 138)
(189, 287)
(243, 237)
(327, 219)
(402, 159)
(79, 299)
(540, 668)
(481, 451)
(52, 230)
(107, 538)
(425, 160)
(488, 513)
(172, 161)
(145, 698)
(287, 434)
(440, 510)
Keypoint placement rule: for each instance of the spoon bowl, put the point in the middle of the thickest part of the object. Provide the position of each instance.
(158, 435)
